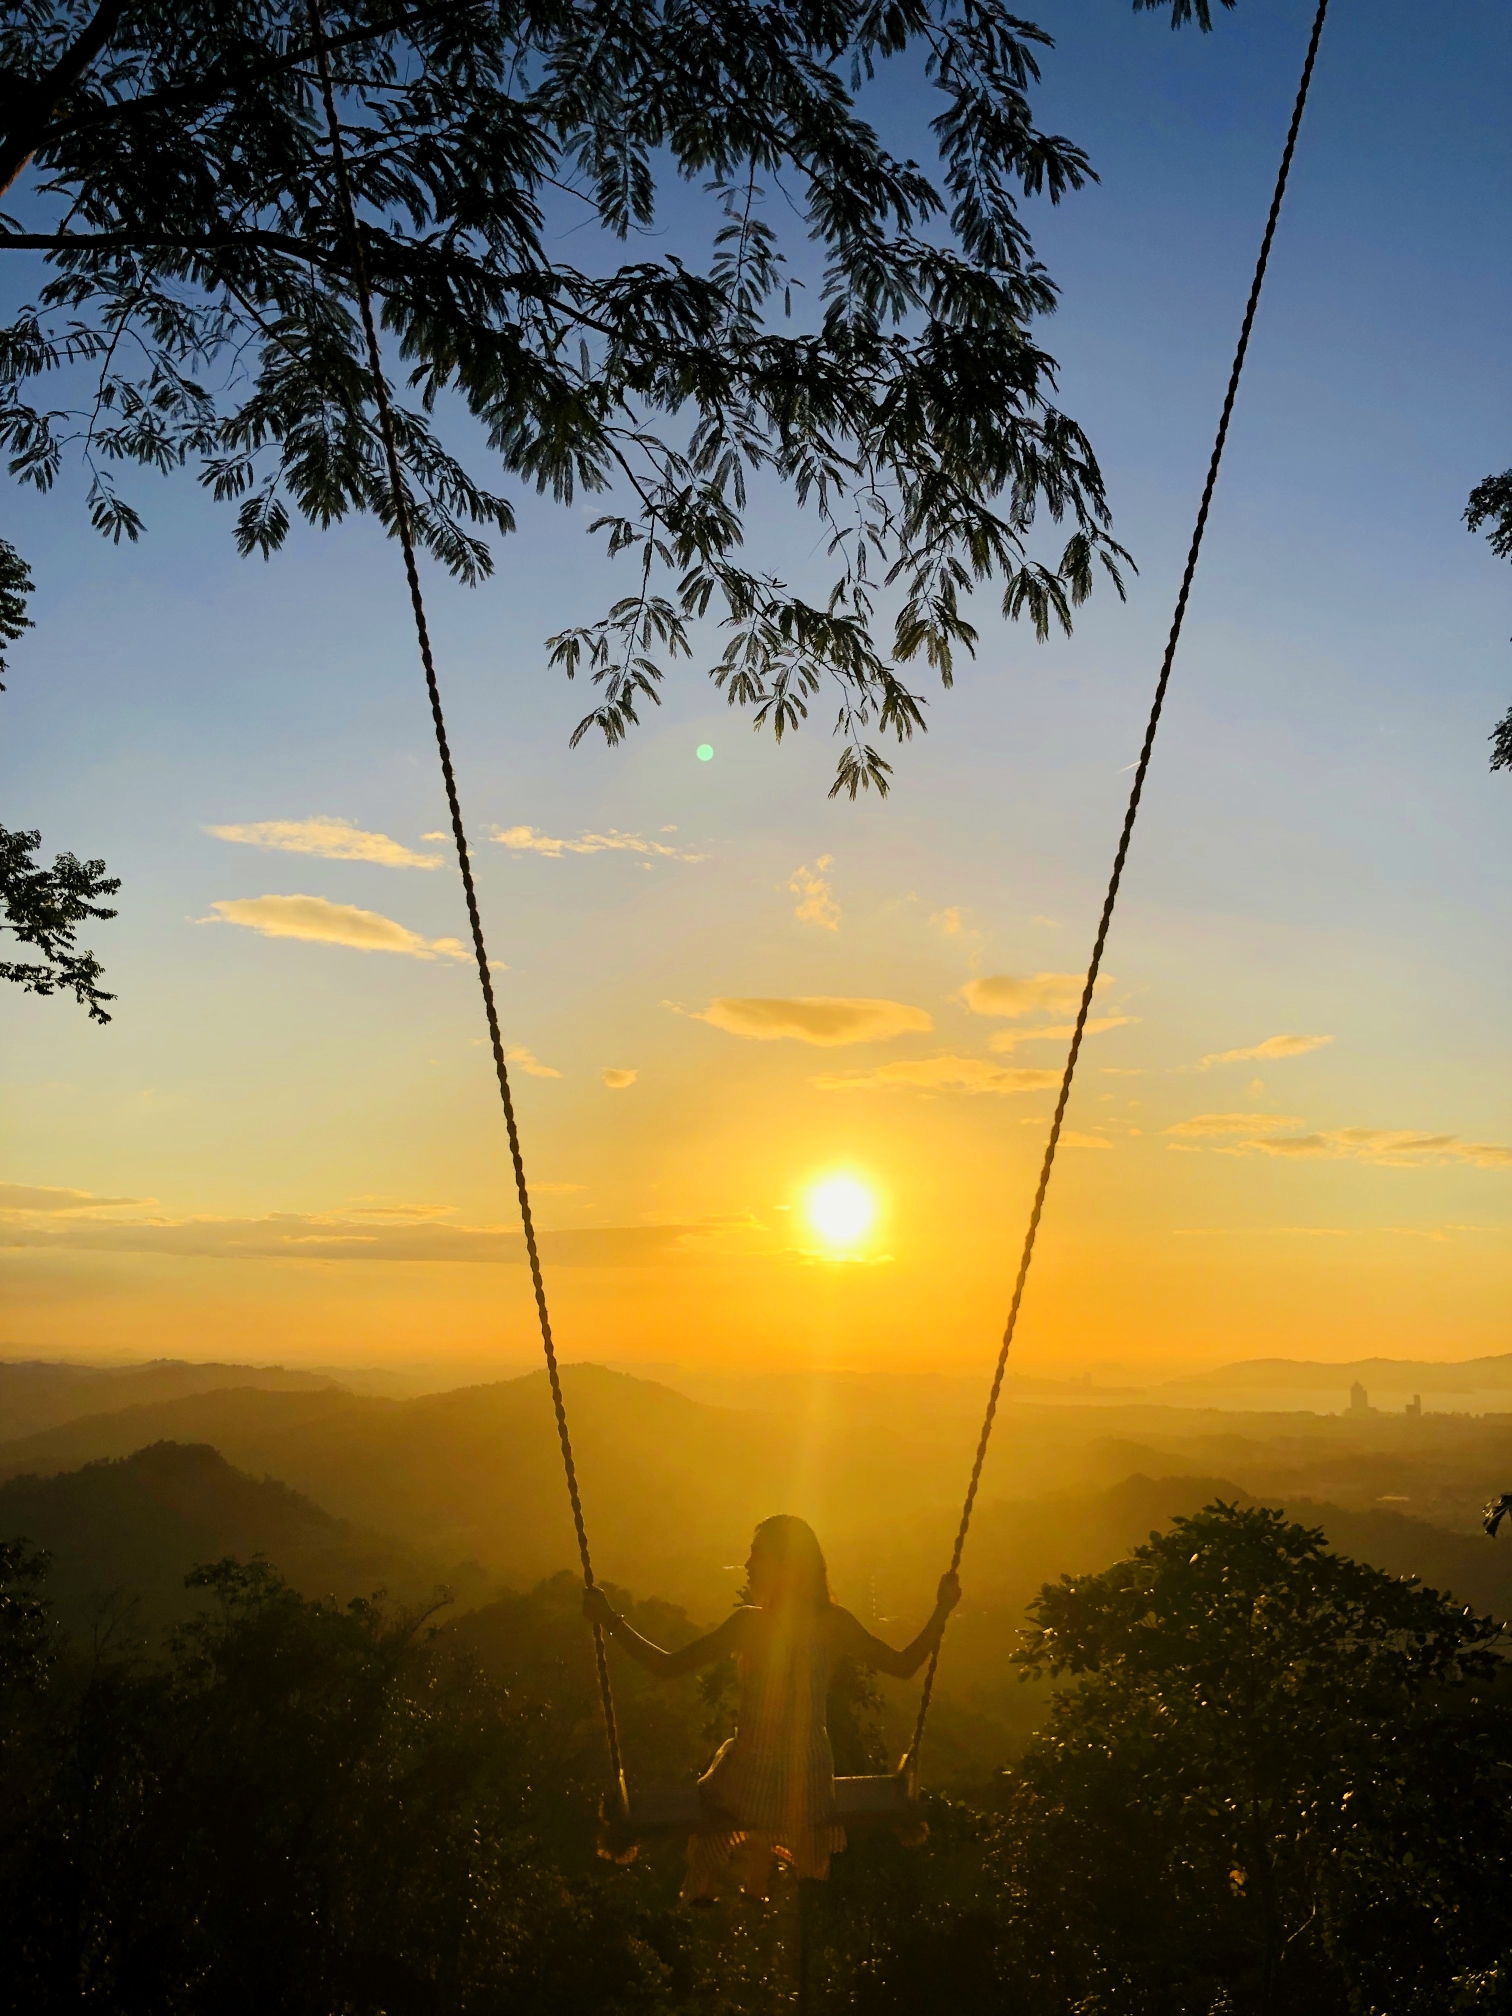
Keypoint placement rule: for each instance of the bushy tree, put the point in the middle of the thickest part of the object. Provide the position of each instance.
(197, 306)
(303, 1809)
(1278, 1784)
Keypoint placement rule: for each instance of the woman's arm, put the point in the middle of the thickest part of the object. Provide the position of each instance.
(870, 1650)
(665, 1665)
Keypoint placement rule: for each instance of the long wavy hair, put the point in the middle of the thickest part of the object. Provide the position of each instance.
(791, 1547)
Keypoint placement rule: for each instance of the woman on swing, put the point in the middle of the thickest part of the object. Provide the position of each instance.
(775, 1777)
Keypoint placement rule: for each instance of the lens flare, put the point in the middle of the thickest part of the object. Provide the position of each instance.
(842, 1210)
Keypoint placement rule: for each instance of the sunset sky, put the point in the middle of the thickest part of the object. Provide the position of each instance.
(1292, 1134)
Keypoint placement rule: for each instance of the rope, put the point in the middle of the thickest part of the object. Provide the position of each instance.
(1178, 618)
(464, 861)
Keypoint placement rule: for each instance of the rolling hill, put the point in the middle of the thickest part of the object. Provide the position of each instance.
(133, 1527)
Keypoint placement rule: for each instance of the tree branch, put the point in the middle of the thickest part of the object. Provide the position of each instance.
(206, 89)
(26, 133)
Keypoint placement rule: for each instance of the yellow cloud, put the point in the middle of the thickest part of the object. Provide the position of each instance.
(949, 920)
(816, 904)
(1389, 1148)
(940, 1074)
(1273, 1046)
(365, 1207)
(329, 1236)
(531, 1066)
(331, 839)
(44, 1197)
(1216, 1125)
(526, 840)
(313, 918)
(1035, 994)
(1009, 1039)
(616, 1079)
(813, 1018)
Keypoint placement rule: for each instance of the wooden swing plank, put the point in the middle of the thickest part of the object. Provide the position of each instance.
(680, 1809)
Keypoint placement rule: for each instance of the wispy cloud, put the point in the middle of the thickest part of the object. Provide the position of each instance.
(1388, 1148)
(343, 1236)
(530, 1065)
(1030, 994)
(814, 1018)
(939, 1074)
(365, 1207)
(1214, 1126)
(618, 1079)
(527, 840)
(44, 1197)
(332, 839)
(314, 919)
(1272, 1047)
(948, 921)
(816, 903)
(1009, 1039)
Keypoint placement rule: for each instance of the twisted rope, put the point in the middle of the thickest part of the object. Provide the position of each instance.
(1178, 618)
(403, 527)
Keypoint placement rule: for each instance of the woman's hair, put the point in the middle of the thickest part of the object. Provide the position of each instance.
(792, 1548)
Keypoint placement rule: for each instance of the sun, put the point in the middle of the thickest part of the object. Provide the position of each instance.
(842, 1210)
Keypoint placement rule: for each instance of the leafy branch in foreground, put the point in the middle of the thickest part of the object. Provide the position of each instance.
(196, 307)
(44, 907)
(1491, 505)
(15, 586)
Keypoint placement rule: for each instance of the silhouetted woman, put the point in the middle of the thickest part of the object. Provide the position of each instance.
(775, 1777)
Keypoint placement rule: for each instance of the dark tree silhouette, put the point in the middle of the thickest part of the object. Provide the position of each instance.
(197, 306)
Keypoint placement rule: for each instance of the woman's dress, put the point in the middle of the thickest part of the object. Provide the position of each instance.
(775, 1777)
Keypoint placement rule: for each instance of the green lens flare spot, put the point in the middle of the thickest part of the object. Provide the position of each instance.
(705, 752)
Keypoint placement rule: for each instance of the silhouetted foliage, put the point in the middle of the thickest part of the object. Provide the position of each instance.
(1491, 506)
(15, 587)
(1273, 1780)
(201, 309)
(1279, 1784)
(304, 1809)
(43, 908)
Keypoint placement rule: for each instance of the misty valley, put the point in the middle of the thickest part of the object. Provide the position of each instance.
(300, 1710)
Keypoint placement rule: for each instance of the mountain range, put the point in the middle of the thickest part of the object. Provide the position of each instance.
(38, 1393)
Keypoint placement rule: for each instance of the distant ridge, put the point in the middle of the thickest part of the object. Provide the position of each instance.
(38, 1393)
(1465, 1375)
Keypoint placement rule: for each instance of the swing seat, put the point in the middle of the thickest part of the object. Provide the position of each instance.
(652, 1811)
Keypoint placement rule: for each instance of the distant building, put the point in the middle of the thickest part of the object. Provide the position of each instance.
(1359, 1399)
(1415, 1407)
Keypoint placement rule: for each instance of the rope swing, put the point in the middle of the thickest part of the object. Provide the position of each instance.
(1115, 879)
(907, 1774)
(400, 502)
